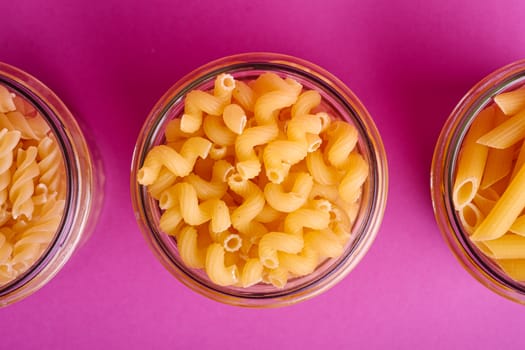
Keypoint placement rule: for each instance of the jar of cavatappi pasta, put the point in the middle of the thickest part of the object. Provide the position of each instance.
(47, 185)
(478, 181)
(259, 180)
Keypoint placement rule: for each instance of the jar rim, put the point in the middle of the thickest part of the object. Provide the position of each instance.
(262, 62)
(442, 173)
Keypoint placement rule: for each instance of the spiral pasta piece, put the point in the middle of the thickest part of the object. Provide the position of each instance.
(8, 142)
(307, 101)
(321, 172)
(252, 273)
(170, 221)
(43, 230)
(278, 277)
(268, 82)
(179, 164)
(288, 202)
(253, 204)
(216, 269)
(248, 164)
(185, 197)
(342, 138)
(173, 132)
(244, 95)
(22, 187)
(30, 128)
(49, 164)
(234, 118)
(352, 182)
(7, 103)
(291, 240)
(280, 155)
(217, 131)
(189, 251)
(199, 102)
(217, 186)
(300, 264)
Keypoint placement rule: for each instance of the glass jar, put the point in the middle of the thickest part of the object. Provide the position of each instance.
(83, 187)
(338, 99)
(443, 174)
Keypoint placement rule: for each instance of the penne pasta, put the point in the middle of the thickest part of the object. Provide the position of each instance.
(508, 246)
(520, 160)
(499, 164)
(472, 160)
(511, 102)
(506, 134)
(470, 217)
(514, 268)
(505, 212)
(518, 226)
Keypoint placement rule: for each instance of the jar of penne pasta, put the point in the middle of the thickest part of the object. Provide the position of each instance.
(478, 181)
(50, 192)
(259, 180)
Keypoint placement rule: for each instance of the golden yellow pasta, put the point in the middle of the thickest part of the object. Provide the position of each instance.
(7, 104)
(511, 102)
(280, 155)
(306, 102)
(470, 217)
(180, 164)
(235, 118)
(244, 96)
(505, 134)
(251, 273)
(472, 159)
(520, 160)
(492, 211)
(342, 138)
(217, 131)
(323, 174)
(505, 212)
(255, 181)
(499, 164)
(199, 102)
(514, 268)
(508, 246)
(356, 174)
(32, 186)
(287, 202)
(216, 269)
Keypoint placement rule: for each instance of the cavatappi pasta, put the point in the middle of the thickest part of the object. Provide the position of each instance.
(489, 188)
(32, 186)
(257, 183)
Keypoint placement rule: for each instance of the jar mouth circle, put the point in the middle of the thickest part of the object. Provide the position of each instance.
(53, 111)
(443, 170)
(245, 66)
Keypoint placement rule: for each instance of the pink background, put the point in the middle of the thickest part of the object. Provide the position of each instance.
(409, 61)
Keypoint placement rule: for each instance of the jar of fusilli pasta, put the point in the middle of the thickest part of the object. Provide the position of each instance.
(259, 180)
(476, 180)
(50, 190)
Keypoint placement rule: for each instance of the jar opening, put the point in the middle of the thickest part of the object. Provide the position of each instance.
(455, 224)
(339, 102)
(74, 182)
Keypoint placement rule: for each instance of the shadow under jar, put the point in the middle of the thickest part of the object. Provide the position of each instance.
(80, 188)
(443, 174)
(337, 100)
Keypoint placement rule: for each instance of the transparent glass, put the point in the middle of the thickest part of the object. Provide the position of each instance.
(84, 191)
(337, 99)
(443, 173)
